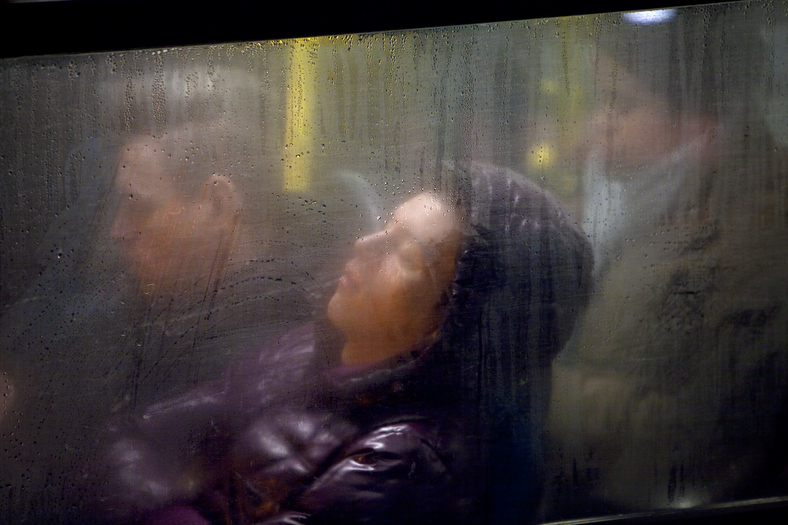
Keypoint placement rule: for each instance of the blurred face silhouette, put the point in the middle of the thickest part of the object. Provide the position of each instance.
(635, 125)
(169, 227)
(392, 290)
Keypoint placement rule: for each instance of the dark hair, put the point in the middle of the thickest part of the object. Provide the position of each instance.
(524, 264)
(523, 276)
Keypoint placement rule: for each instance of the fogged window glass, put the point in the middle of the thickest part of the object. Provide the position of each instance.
(522, 272)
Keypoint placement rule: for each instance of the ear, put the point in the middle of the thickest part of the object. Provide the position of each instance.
(222, 199)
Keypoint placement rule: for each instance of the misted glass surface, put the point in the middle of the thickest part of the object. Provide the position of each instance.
(517, 272)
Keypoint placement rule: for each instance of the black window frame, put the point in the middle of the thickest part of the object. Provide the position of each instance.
(88, 26)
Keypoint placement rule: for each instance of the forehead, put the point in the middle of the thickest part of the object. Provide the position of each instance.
(145, 167)
(427, 217)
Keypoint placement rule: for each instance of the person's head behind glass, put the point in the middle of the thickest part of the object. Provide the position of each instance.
(390, 296)
(665, 78)
(178, 214)
(441, 260)
(188, 182)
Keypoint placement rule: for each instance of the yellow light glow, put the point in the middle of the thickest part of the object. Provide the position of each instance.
(301, 104)
(541, 156)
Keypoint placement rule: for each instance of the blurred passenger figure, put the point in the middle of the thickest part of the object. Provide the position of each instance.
(419, 397)
(222, 252)
(673, 391)
(179, 249)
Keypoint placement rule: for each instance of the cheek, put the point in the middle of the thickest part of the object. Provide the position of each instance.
(379, 300)
(157, 232)
(387, 302)
(161, 245)
(406, 295)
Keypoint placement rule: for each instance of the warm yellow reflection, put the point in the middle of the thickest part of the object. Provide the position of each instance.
(300, 113)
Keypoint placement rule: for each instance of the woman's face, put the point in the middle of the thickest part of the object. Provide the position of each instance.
(392, 290)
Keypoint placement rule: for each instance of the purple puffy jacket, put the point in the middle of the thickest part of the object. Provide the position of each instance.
(286, 437)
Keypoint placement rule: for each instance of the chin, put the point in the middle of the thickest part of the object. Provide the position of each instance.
(334, 310)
